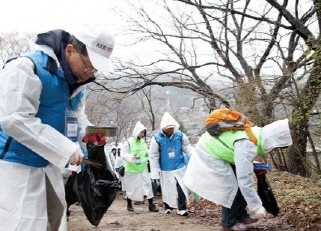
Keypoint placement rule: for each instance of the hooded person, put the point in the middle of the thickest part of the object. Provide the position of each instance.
(111, 157)
(119, 163)
(221, 170)
(167, 163)
(135, 156)
(42, 123)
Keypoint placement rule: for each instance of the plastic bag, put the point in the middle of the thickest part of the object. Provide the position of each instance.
(96, 195)
(97, 154)
(97, 186)
(266, 194)
(71, 190)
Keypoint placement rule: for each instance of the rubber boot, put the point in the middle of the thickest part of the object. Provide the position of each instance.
(129, 205)
(151, 205)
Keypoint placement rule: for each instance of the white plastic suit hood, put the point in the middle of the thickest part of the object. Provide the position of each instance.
(168, 121)
(138, 128)
(276, 135)
(113, 147)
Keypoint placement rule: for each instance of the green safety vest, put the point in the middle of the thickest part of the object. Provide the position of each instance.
(222, 146)
(138, 147)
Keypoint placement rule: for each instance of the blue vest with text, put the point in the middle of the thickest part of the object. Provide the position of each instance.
(54, 100)
(171, 152)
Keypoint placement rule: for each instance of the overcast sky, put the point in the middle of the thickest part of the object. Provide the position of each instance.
(39, 15)
(44, 15)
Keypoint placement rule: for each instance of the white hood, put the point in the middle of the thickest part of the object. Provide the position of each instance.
(276, 135)
(113, 147)
(168, 121)
(138, 128)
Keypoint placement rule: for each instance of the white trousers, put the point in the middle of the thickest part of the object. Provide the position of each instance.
(31, 199)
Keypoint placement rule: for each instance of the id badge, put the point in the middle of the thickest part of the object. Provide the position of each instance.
(71, 126)
(171, 153)
(138, 161)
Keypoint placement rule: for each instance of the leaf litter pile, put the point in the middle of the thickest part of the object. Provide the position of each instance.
(299, 200)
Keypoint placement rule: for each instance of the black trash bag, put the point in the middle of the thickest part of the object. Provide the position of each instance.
(266, 194)
(97, 154)
(96, 196)
(70, 190)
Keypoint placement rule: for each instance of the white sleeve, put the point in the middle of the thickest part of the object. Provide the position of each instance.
(154, 155)
(244, 153)
(125, 153)
(20, 91)
(186, 145)
(108, 158)
(113, 160)
(118, 162)
(83, 121)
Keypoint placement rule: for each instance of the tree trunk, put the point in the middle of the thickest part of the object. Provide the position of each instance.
(296, 155)
(300, 118)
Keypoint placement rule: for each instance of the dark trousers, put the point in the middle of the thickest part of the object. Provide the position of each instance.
(181, 199)
(230, 216)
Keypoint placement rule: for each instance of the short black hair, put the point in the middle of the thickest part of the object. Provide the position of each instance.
(79, 46)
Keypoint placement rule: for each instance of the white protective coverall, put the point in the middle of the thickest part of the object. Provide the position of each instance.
(110, 158)
(168, 178)
(118, 163)
(136, 184)
(214, 179)
(23, 197)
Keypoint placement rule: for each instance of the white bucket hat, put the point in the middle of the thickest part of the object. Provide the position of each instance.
(99, 44)
(276, 135)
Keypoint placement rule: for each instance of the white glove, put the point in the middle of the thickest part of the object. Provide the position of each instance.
(155, 173)
(132, 158)
(76, 158)
(260, 211)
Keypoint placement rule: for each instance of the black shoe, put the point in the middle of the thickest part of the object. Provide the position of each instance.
(152, 208)
(130, 208)
(248, 221)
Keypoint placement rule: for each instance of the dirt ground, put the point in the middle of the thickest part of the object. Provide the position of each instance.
(119, 219)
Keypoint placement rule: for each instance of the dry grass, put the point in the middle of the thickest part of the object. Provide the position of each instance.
(299, 200)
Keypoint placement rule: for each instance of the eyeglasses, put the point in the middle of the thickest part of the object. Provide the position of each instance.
(88, 70)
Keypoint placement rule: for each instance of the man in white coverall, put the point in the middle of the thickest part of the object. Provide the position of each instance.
(41, 119)
(167, 162)
(221, 170)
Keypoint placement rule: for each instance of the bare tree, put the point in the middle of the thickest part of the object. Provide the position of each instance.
(235, 53)
(14, 44)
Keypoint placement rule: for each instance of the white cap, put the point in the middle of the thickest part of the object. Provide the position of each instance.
(276, 135)
(99, 44)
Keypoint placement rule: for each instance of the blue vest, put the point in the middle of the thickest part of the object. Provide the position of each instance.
(171, 152)
(54, 100)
